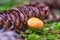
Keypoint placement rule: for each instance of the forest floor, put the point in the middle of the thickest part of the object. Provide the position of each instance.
(50, 31)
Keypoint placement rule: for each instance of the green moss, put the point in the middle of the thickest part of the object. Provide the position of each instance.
(47, 33)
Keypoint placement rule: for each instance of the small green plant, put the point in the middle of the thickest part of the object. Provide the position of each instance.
(56, 25)
(32, 37)
(46, 33)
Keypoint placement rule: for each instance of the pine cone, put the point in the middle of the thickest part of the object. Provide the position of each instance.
(16, 18)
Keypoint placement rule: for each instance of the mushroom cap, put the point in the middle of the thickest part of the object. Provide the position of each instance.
(35, 23)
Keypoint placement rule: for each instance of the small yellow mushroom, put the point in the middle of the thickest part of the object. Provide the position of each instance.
(35, 23)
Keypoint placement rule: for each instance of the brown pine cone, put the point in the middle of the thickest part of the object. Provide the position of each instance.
(16, 18)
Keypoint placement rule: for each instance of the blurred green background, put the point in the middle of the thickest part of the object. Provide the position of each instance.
(7, 4)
